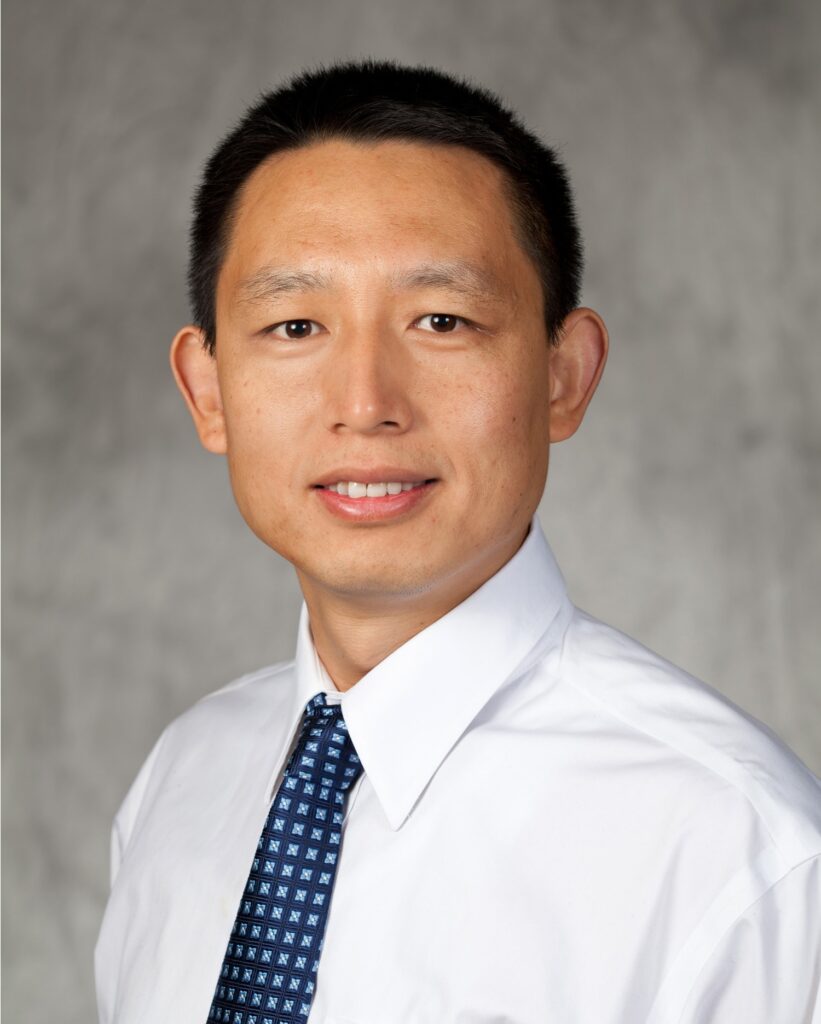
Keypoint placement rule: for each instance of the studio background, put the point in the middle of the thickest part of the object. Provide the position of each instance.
(686, 511)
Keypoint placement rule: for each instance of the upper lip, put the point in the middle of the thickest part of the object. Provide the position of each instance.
(375, 475)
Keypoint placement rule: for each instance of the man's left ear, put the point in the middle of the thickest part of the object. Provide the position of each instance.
(576, 366)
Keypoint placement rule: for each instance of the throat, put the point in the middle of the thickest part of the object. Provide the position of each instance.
(349, 646)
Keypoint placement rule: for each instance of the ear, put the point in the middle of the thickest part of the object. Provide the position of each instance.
(195, 371)
(576, 366)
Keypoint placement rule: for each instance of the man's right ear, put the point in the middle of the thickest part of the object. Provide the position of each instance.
(195, 371)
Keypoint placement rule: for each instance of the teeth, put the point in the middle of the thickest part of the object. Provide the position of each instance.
(352, 489)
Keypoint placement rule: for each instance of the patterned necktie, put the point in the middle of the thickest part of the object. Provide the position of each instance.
(268, 974)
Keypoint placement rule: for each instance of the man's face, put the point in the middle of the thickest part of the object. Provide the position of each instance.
(378, 321)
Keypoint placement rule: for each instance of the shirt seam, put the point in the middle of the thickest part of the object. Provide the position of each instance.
(760, 816)
(150, 764)
(726, 931)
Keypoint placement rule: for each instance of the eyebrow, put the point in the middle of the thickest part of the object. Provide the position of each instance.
(456, 275)
(470, 279)
(272, 281)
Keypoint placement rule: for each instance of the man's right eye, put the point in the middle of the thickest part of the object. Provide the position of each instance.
(294, 330)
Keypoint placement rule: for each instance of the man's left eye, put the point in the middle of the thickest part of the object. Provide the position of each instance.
(441, 323)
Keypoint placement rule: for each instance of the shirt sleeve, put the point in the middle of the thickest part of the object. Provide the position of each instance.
(766, 967)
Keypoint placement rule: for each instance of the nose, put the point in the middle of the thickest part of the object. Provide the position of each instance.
(367, 385)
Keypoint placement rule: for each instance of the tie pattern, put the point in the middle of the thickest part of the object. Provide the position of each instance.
(268, 974)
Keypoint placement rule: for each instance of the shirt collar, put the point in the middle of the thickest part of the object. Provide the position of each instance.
(410, 709)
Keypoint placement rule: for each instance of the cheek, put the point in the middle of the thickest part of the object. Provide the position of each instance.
(262, 423)
(504, 423)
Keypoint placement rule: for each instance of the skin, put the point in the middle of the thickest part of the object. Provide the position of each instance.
(374, 384)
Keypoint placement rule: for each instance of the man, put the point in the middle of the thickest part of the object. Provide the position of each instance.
(464, 800)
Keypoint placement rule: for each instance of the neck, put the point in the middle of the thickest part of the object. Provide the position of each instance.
(353, 634)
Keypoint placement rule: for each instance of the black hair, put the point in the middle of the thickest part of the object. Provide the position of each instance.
(372, 101)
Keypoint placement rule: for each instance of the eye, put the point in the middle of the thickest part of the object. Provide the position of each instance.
(441, 323)
(294, 330)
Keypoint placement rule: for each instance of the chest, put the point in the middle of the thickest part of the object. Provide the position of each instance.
(513, 896)
(479, 914)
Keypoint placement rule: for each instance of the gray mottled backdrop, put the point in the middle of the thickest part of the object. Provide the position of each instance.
(686, 511)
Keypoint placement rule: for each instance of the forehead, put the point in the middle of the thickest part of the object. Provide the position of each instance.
(387, 201)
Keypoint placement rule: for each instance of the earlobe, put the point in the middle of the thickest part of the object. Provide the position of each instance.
(195, 371)
(576, 366)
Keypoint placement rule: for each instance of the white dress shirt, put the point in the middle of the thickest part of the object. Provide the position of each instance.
(554, 826)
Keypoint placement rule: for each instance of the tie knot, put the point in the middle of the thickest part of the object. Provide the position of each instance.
(318, 707)
(324, 753)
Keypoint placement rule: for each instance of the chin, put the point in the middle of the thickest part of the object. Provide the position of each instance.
(355, 581)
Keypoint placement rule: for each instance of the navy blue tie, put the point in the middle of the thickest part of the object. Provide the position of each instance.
(269, 972)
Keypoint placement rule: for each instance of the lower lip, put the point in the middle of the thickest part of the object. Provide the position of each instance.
(373, 509)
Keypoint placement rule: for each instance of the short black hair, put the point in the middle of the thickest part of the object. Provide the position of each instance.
(373, 101)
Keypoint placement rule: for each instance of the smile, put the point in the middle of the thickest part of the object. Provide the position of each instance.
(352, 489)
(373, 502)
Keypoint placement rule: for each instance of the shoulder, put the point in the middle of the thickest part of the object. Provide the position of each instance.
(239, 705)
(243, 698)
(696, 727)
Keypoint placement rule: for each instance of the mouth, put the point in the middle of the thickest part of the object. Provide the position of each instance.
(356, 490)
(374, 500)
